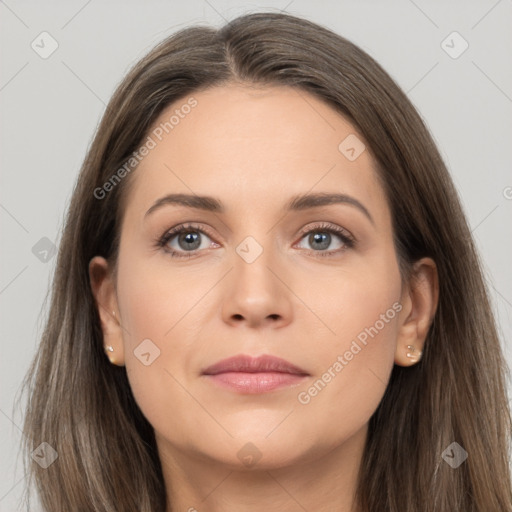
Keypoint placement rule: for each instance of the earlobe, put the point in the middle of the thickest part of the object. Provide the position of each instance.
(421, 296)
(103, 289)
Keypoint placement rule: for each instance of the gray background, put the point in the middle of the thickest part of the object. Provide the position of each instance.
(51, 107)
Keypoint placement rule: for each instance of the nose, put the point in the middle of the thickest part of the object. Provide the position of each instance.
(256, 294)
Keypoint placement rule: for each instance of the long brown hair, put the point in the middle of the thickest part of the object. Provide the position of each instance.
(83, 407)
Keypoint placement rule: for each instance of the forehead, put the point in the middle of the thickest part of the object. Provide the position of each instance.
(254, 147)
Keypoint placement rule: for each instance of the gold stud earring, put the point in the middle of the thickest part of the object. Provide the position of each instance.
(110, 348)
(415, 357)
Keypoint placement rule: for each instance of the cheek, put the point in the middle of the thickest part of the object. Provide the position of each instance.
(359, 303)
(159, 303)
(353, 361)
(153, 297)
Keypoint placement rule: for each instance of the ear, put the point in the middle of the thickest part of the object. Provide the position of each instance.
(419, 300)
(103, 288)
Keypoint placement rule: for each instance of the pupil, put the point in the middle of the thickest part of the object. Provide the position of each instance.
(322, 238)
(190, 239)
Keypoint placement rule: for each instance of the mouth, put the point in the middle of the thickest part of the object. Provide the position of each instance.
(254, 375)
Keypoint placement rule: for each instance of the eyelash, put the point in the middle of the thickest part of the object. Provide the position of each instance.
(348, 240)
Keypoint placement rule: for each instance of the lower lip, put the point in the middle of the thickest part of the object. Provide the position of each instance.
(256, 382)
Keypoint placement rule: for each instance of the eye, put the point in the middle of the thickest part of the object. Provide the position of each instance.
(184, 241)
(320, 238)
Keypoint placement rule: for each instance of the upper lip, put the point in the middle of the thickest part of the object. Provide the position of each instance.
(249, 364)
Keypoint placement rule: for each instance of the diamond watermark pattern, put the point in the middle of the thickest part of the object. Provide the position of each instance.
(44, 455)
(44, 45)
(44, 250)
(249, 249)
(147, 352)
(455, 455)
(249, 454)
(351, 147)
(454, 45)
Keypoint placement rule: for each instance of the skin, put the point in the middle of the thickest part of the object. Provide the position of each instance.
(253, 149)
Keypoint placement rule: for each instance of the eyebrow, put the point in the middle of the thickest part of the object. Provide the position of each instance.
(296, 203)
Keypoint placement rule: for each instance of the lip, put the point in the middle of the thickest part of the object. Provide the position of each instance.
(246, 374)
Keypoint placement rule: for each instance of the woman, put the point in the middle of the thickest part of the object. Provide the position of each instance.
(267, 296)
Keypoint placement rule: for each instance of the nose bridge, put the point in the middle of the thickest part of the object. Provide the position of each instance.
(255, 293)
(257, 246)
(253, 260)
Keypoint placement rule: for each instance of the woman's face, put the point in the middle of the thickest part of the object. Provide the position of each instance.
(253, 278)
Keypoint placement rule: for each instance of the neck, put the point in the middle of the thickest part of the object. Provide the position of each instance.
(322, 482)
